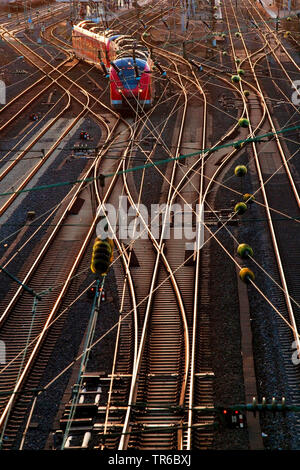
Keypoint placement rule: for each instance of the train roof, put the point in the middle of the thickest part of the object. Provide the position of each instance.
(124, 62)
(86, 28)
(111, 32)
(125, 44)
(89, 28)
(129, 51)
(123, 38)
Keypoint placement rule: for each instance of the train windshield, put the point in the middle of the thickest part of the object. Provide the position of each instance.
(128, 73)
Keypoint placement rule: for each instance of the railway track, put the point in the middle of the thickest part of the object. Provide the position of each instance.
(283, 180)
(162, 374)
(149, 385)
(87, 103)
(19, 308)
(164, 369)
(11, 420)
(55, 244)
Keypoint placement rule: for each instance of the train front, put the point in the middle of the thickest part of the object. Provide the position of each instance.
(131, 84)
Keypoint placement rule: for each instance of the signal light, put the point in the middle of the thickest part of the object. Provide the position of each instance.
(102, 256)
(92, 290)
(240, 170)
(244, 250)
(246, 275)
(83, 135)
(233, 418)
(235, 78)
(240, 208)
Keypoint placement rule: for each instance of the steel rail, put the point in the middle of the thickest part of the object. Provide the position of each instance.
(36, 139)
(41, 336)
(189, 432)
(45, 247)
(126, 427)
(159, 248)
(85, 109)
(197, 267)
(26, 279)
(127, 270)
(123, 428)
(35, 169)
(269, 217)
(101, 206)
(126, 262)
(281, 151)
(201, 201)
(56, 305)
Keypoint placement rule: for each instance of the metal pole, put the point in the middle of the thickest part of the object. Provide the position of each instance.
(31, 291)
(25, 12)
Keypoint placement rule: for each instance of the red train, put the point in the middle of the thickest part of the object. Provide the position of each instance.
(126, 62)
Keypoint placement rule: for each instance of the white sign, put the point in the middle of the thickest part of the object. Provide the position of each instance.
(2, 353)
(2, 92)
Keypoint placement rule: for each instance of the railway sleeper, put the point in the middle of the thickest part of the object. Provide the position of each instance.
(165, 387)
(76, 422)
(156, 398)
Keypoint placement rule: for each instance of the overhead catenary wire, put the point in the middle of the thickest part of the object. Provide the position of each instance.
(221, 184)
(158, 162)
(212, 235)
